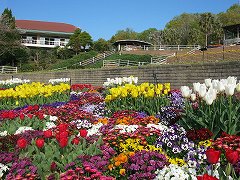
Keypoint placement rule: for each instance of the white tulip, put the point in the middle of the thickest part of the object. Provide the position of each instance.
(232, 80)
(215, 83)
(208, 82)
(209, 98)
(135, 80)
(229, 89)
(212, 92)
(238, 87)
(186, 92)
(193, 97)
(202, 90)
(220, 86)
(224, 81)
(196, 86)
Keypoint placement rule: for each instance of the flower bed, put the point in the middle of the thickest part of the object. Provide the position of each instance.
(120, 131)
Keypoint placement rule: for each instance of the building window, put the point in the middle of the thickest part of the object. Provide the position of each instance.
(62, 42)
(49, 41)
(34, 40)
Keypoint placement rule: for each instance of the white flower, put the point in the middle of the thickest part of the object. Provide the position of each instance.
(23, 129)
(196, 87)
(220, 86)
(215, 83)
(208, 98)
(193, 97)
(238, 87)
(49, 125)
(186, 91)
(229, 89)
(3, 168)
(232, 80)
(94, 130)
(208, 82)
(202, 90)
(53, 118)
(4, 133)
(55, 81)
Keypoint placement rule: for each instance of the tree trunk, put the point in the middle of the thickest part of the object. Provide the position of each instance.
(206, 40)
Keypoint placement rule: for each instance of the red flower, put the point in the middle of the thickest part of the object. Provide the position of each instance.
(232, 156)
(40, 142)
(22, 143)
(213, 155)
(76, 141)
(53, 166)
(63, 134)
(47, 134)
(83, 132)
(40, 116)
(206, 177)
(30, 116)
(63, 127)
(21, 116)
(63, 142)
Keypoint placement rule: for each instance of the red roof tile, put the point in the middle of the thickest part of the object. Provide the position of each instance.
(45, 26)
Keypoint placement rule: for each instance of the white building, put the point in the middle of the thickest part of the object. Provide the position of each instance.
(44, 34)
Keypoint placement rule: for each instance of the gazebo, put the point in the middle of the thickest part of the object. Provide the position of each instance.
(231, 34)
(131, 45)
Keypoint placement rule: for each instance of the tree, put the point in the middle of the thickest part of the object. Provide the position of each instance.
(11, 50)
(231, 16)
(75, 42)
(85, 40)
(146, 35)
(80, 40)
(207, 25)
(7, 19)
(128, 33)
(101, 45)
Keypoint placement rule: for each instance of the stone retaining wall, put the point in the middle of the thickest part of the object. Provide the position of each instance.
(177, 75)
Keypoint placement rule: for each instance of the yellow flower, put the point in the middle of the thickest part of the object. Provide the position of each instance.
(17, 102)
(122, 172)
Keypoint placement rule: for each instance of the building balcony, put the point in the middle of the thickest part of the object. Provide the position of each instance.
(231, 41)
(43, 43)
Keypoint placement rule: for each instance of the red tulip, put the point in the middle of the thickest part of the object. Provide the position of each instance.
(21, 116)
(53, 166)
(213, 155)
(63, 127)
(232, 156)
(83, 132)
(63, 142)
(63, 134)
(47, 134)
(76, 141)
(30, 116)
(22, 143)
(206, 177)
(40, 142)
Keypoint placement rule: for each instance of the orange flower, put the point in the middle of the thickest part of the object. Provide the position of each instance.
(131, 153)
(103, 120)
(122, 172)
(117, 163)
(110, 167)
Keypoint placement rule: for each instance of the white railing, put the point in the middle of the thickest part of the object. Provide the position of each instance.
(161, 59)
(8, 69)
(170, 47)
(120, 62)
(89, 61)
(231, 41)
(43, 43)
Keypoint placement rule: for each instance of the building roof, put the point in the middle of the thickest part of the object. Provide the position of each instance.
(45, 26)
(231, 26)
(131, 41)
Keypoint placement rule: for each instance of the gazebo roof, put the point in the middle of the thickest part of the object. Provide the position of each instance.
(131, 42)
(231, 26)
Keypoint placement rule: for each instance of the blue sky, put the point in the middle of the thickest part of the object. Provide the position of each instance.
(103, 18)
